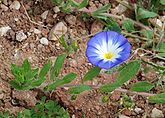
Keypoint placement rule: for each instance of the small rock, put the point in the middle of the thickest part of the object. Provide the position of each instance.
(15, 5)
(123, 116)
(56, 9)
(156, 113)
(32, 45)
(57, 31)
(55, 15)
(25, 98)
(4, 30)
(20, 36)
(10, 34)
(137, 110)
(96, 27)
(16, 19)
(44, 15)
(71, 19)
(4, 7)
(44, 41)
(120, 9)
(36, 31)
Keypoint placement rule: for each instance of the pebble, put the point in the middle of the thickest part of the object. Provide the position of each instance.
(71, 19)
(55, 15)
(4, 30)
(120, 9)
(15, 5)
(44, 15)
(156, 113)
(57, 31)
(20, 36)
(137, 110)
(56, 9)
(36, 31)
(5, 2)
(4, 7)
(44, 41)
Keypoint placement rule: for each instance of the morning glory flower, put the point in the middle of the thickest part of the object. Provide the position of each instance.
(108, 49)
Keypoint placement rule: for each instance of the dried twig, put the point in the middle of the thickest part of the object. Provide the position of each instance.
(30, 18)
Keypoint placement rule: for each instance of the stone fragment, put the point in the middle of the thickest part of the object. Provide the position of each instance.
(36, 31)
(156, 113)
(70, 19)
(57, 31)
(44, 41)
(15, 5)
(4, 7)
(44, 15)
(20, 36)
(4, 30)
(56, 9)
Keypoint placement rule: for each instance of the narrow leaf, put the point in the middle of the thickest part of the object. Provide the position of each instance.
(67, 79)
(158, 98)
(128, 25)
(109, 87)
(57, 66)
(142, 86)
(128, 72)
(79, 89)
(37, 82)
(102, 9)
(92, 73)
(142, 14)
(83, 4)
(26, 66)
(45, 69)
(162, 2)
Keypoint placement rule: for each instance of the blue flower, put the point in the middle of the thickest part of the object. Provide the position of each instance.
(108, 49)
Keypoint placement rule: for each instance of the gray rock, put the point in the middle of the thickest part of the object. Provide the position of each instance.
(4, 30)
(15, 5)
(137, 110)
(44, 41)
(57, 31)
(44, 15)
(56, 9)
(156, 113)
(20, 36)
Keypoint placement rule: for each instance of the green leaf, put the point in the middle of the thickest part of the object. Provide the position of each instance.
(102, 9)
(148, 34)
(112, 25)
(38, 82)
(15, 84)
(64, 43)
(158, 98)
(142, 86)
(45, 69)
(143, 14)
(92, 73)
(26, 65)
(162, 47)
(109, 87)
(162, 2)
(79, 89)
(67, 79)
(128, 25)
(128, 72)
(83, 4)
(57, 66)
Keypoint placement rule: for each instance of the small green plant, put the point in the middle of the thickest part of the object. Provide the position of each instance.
(44, 109)
(27, 78)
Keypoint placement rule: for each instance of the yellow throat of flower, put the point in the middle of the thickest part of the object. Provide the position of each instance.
(108, 55)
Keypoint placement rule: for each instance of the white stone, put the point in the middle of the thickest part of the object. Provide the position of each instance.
(20, 36)
(123, 116)
(44, 15)
(156, 113)
(55, 15)
(16, 19)
(159, 23)
(4, 30)
(36, 31)
(44, 41)
(15, 5)
(57, 31)
(4, 7)
(56, 9)
(137, 110)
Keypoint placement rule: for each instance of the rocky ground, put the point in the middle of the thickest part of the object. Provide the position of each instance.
(26, 29)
